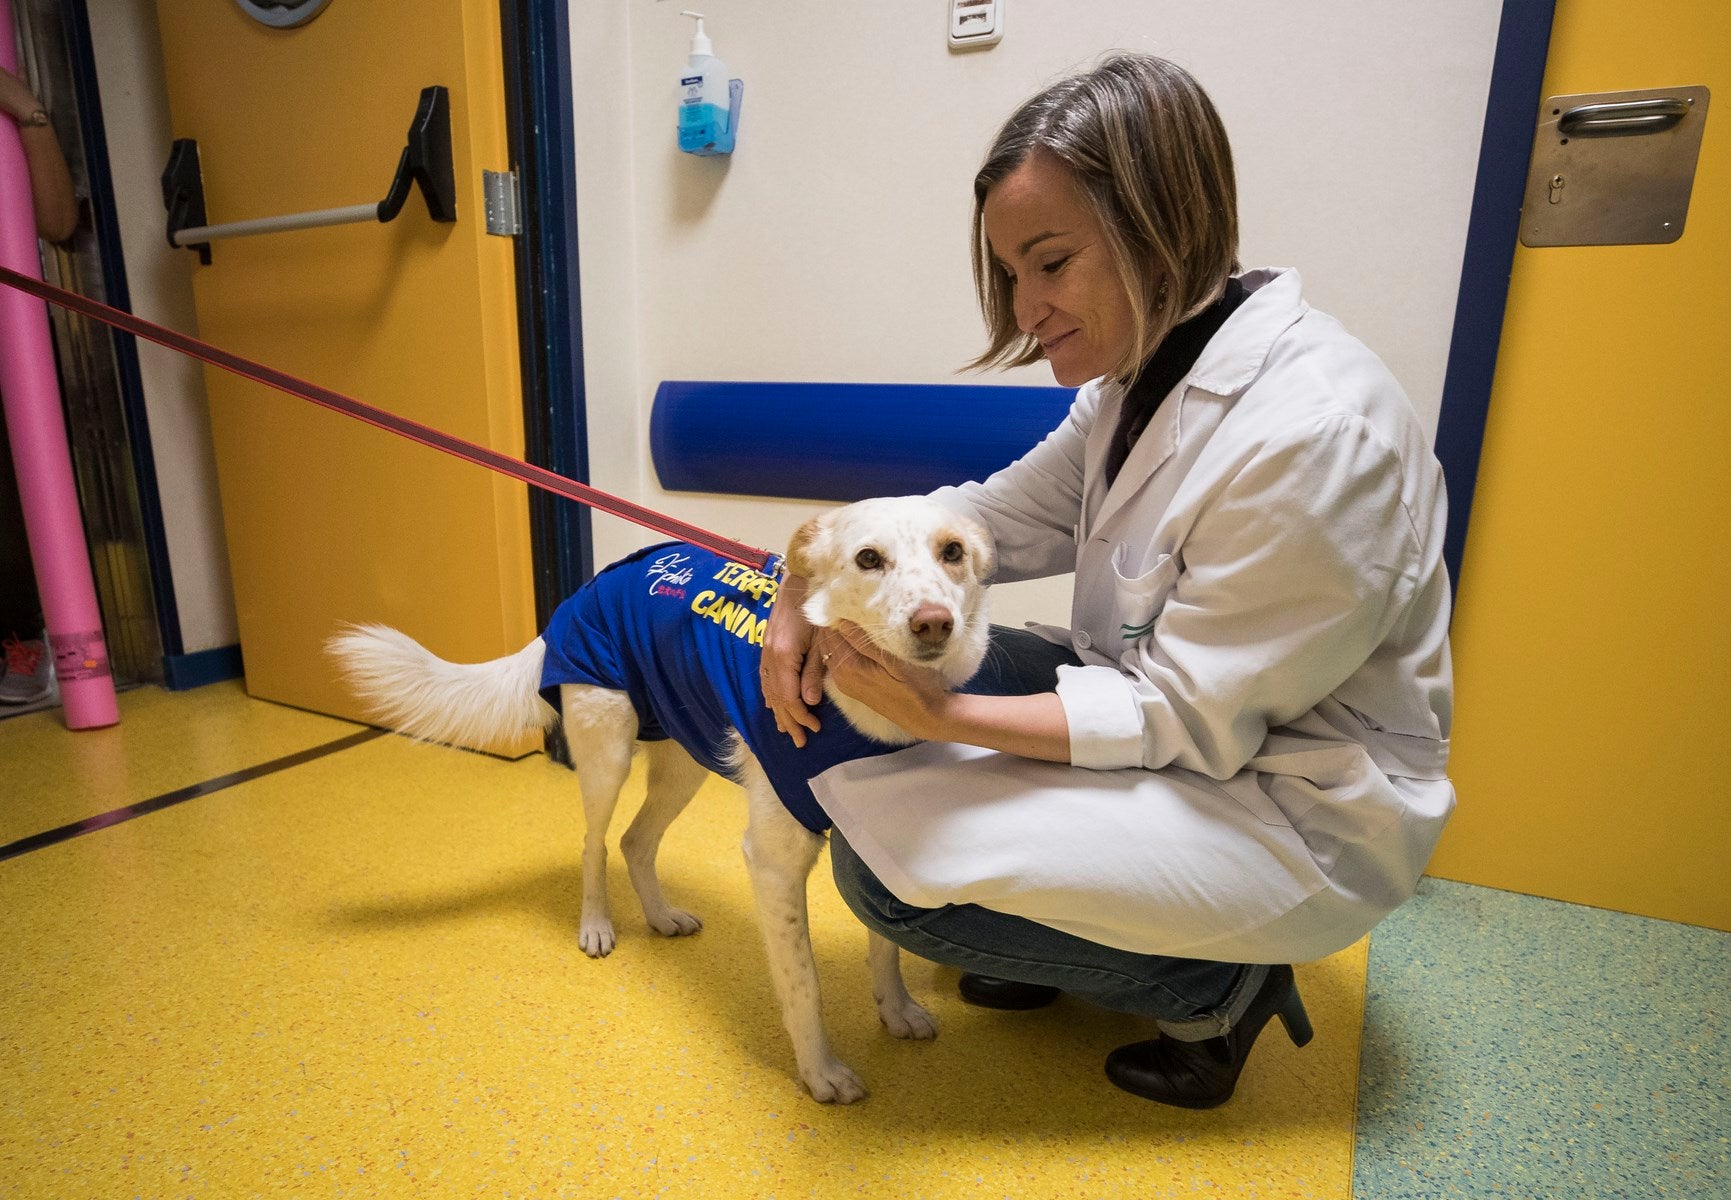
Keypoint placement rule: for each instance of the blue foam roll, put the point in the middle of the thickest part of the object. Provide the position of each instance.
(842, 441)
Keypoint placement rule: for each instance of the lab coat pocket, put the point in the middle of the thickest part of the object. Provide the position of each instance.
(1140, 594)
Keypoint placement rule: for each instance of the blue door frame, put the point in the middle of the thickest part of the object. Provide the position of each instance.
(537, 67)
(538, 100)
(1511, 113)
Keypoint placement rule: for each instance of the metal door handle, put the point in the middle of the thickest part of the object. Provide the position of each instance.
(424, 163)
(1622, 118)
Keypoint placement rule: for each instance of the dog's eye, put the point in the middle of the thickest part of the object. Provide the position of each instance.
(869, 559)
(952, 552)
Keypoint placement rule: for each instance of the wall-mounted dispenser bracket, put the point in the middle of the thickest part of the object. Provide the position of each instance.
(725, 144)
(424, 163)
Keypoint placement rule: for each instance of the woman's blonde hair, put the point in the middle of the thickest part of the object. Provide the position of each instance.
(1150, 157)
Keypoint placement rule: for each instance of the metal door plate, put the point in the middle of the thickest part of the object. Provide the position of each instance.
(1613, 168)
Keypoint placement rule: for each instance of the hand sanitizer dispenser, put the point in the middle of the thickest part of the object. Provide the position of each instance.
(708, 100)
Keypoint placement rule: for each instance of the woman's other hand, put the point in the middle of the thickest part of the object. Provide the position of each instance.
(916, 699)
(907, 694)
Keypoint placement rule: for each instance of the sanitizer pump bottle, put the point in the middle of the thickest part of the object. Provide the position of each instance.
(704, 122)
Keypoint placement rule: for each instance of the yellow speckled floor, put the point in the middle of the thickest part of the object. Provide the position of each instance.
(359, 976)
(165, 740)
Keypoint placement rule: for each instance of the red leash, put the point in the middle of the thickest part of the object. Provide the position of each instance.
(426, 435)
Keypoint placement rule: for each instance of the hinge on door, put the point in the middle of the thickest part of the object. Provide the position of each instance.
(500, 190)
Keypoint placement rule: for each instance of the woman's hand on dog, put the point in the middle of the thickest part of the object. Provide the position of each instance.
(916, 699)
(911, 696)
(792, 675)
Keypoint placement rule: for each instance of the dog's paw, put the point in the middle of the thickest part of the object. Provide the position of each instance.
(675, 922)
(910, 1020)
(596, 938)
(833, 1082)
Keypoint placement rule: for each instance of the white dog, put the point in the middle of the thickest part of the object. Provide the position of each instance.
(674, 633)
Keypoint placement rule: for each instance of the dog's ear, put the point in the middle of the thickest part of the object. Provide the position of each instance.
(981, 546)
(806, 548)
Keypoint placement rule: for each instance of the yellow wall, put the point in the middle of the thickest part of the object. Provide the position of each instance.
(328, 520)
(1592, 649)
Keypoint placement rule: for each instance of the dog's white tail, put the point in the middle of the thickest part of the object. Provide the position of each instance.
(414, 691)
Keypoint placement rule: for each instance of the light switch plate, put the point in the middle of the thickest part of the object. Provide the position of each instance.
(975, 24)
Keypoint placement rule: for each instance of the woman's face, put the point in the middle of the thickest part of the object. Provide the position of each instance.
(1067, 293)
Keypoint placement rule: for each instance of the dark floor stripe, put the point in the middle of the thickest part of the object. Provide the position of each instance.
(169, 799)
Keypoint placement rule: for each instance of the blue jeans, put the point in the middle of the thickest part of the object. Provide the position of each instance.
(1190, 998)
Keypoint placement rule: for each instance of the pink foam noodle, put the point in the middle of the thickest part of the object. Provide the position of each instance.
(39, 450)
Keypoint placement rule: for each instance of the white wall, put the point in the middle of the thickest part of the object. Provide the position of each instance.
(833, 245)
(128, 55)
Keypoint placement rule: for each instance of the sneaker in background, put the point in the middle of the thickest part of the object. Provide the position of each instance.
(29, 672)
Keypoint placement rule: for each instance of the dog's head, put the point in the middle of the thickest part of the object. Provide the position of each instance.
(907, 571)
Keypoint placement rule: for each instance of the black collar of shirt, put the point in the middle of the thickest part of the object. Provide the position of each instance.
(1169, 363)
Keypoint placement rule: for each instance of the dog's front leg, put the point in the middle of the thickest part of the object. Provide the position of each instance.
(779, 853)
(901, 1014)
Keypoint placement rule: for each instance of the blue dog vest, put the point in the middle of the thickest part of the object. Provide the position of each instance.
(680, 630)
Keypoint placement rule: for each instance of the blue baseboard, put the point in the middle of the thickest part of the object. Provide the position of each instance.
(183, 671)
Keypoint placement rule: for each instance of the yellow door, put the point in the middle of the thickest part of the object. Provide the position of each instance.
(329, 520)
(1592, 648)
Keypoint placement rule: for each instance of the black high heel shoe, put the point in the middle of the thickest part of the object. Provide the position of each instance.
(1204, 1074)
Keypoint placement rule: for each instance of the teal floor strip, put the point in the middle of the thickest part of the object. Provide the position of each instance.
(1519, 1047)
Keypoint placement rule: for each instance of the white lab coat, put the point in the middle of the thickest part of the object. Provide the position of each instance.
(1259, 733)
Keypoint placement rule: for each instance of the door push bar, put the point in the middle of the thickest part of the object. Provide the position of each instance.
(1622, 118)
(425, 162)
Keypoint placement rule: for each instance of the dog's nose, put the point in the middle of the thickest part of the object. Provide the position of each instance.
(932, 624)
